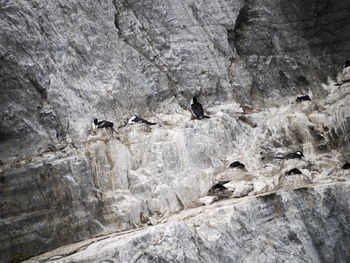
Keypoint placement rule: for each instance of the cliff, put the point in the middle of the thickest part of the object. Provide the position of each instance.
(303, 225)
(64, 63)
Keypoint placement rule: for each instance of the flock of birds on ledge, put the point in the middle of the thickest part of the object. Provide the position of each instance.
(196, 109)
(198, 112)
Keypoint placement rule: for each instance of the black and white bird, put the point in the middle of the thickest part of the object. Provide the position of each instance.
(237, 164)
(303, 98)
(346, 80)
(294, 171)
(104, 124)
(137, 119)
(220, 191)
(197, 109)
(295, 155)
(346, 166)
(347, 63)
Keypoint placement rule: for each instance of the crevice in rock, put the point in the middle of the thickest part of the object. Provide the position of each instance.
(153, 61)
(116, 23)
(234, 34)
(195, 12)
(179, 201)
(39, 88)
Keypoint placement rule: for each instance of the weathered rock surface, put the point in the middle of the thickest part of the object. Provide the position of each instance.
(64, 63)
(301, 225)
(208, 200)
(160, 171)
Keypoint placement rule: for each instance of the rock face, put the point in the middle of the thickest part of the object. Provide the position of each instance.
(303, 225)
(64, 63)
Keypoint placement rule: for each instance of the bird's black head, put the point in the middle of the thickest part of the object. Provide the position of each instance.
(300, 154)
(95, 121)
(347, 63)
(194, 99)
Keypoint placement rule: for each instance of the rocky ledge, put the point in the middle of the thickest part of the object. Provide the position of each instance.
(148, 173)
(308, 224)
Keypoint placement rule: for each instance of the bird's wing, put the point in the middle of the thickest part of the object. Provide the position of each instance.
(138, 119)
(197, 109)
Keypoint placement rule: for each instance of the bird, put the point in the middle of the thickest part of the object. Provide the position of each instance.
(295, 155)
(144, 219)
(246, 109)
(345, 78)
(137, 119)
(220, 191)
(346, 166)
(104, 124)
(294, 171)
(237, 164)
(197, 109)
(303, 98)
(347, 63)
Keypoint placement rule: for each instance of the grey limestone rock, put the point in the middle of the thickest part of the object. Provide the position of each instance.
(293, 226)
(64, 63)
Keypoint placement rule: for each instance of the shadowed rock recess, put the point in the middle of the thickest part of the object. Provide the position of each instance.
(64, 63)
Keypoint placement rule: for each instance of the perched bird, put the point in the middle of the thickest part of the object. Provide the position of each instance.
(295, 155)
(220, 191)
(346, 166)
(136, 119)
(197, 109)
(237, 164)
(345, 76)
(303, 98)
(104, 124)
(347, 63)
(246, 109)
(143, 219)
(294, 171)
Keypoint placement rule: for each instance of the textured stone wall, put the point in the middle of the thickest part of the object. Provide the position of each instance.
(304, 225)
(64, 63)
